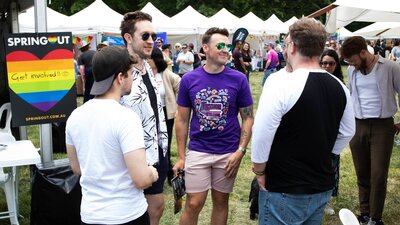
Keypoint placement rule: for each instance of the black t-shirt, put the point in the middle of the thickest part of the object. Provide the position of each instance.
(86, 58)
(152, 96)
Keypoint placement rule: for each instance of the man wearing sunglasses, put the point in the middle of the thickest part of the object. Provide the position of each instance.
(374, 83)
(139, 36)
(212, 95)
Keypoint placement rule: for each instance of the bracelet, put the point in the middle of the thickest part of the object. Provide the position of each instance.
(258, 173)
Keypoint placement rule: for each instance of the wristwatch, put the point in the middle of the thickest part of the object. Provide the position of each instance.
(243, 150)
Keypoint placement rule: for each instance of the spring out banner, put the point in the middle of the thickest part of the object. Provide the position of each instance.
(40, 70)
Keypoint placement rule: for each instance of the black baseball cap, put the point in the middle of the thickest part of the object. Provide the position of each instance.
(106, 63)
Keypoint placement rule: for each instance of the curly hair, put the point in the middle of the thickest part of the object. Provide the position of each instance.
(129, 21)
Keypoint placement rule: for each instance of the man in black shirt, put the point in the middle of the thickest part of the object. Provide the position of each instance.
(303, 117)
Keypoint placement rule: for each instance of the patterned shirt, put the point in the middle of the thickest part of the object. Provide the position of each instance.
(138, 100)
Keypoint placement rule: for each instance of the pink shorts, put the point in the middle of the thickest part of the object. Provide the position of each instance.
(204, 171)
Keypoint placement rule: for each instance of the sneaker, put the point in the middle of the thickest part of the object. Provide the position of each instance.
(363, 219)
(376, 222)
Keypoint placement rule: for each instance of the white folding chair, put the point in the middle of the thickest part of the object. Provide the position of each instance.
(347, 217)
(7, 180)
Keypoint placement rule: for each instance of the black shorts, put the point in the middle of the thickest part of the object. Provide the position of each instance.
(162, 169)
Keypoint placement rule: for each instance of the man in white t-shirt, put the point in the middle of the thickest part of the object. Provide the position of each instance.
(105, 146)
(185, 60)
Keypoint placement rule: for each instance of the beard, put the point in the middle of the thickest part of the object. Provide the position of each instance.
(363, 66)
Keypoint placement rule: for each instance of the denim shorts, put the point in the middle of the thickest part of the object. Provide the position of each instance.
(291, 209)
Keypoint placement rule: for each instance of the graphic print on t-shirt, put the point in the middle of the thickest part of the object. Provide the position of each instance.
(212, 108)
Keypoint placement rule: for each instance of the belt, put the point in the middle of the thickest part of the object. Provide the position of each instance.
(271, 68)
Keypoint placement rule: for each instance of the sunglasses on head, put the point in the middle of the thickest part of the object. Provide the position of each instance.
(325, 63)
(222, 45)
(145, 36)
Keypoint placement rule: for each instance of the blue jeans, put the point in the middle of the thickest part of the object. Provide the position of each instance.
(291, 209)
(267, 72)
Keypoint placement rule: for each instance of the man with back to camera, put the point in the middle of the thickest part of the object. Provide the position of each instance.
(110, 158)
(374, 83)
(215, 94)
(85, 69)
(138, 33)
(309, 116)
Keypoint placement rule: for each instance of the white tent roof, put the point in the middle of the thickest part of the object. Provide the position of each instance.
(26, 20)
(274, 23)
(343, 32)
(348, 11)
(380, 29)
(160, 20)
(289, 22)
(225, 19)
(95, 18)
(189, 21)
(252, 23)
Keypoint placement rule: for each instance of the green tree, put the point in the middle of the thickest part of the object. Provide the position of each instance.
(283, 9)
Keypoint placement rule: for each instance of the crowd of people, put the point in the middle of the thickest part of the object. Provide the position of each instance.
(119, 141)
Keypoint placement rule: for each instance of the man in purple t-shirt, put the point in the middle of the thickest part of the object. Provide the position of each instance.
(272, 62)
(214, 94)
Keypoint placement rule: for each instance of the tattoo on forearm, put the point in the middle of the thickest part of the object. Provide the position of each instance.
(248, 111)
(243, 136)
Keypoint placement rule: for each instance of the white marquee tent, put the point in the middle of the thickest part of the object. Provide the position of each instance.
(224, 18)
(98, 17)
(160, 20)
(190, 21)
(27, 20)
(274, 23)
(346, 11)
(289, 22)
(254, 24)
(381, 30)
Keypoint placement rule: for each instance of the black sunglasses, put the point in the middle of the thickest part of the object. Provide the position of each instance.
(145, 36)
(222, 45)
(325, 63)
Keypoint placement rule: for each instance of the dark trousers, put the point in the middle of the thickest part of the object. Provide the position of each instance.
(170, 127)
(89, 80)
(371, 148)
(143, 220)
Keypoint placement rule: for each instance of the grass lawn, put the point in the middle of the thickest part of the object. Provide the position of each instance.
(239, 206)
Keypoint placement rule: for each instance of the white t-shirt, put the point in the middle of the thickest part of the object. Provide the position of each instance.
(368, 94)
(183, 67)
(160, 87)
(102, 131)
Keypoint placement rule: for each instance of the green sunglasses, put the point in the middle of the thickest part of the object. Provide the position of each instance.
(222, 45)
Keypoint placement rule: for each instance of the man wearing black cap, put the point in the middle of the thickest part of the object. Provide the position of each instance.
(139, 36)
(85, 68)
(111, 160)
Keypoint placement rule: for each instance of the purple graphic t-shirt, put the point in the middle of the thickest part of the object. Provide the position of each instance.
(215, 100)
